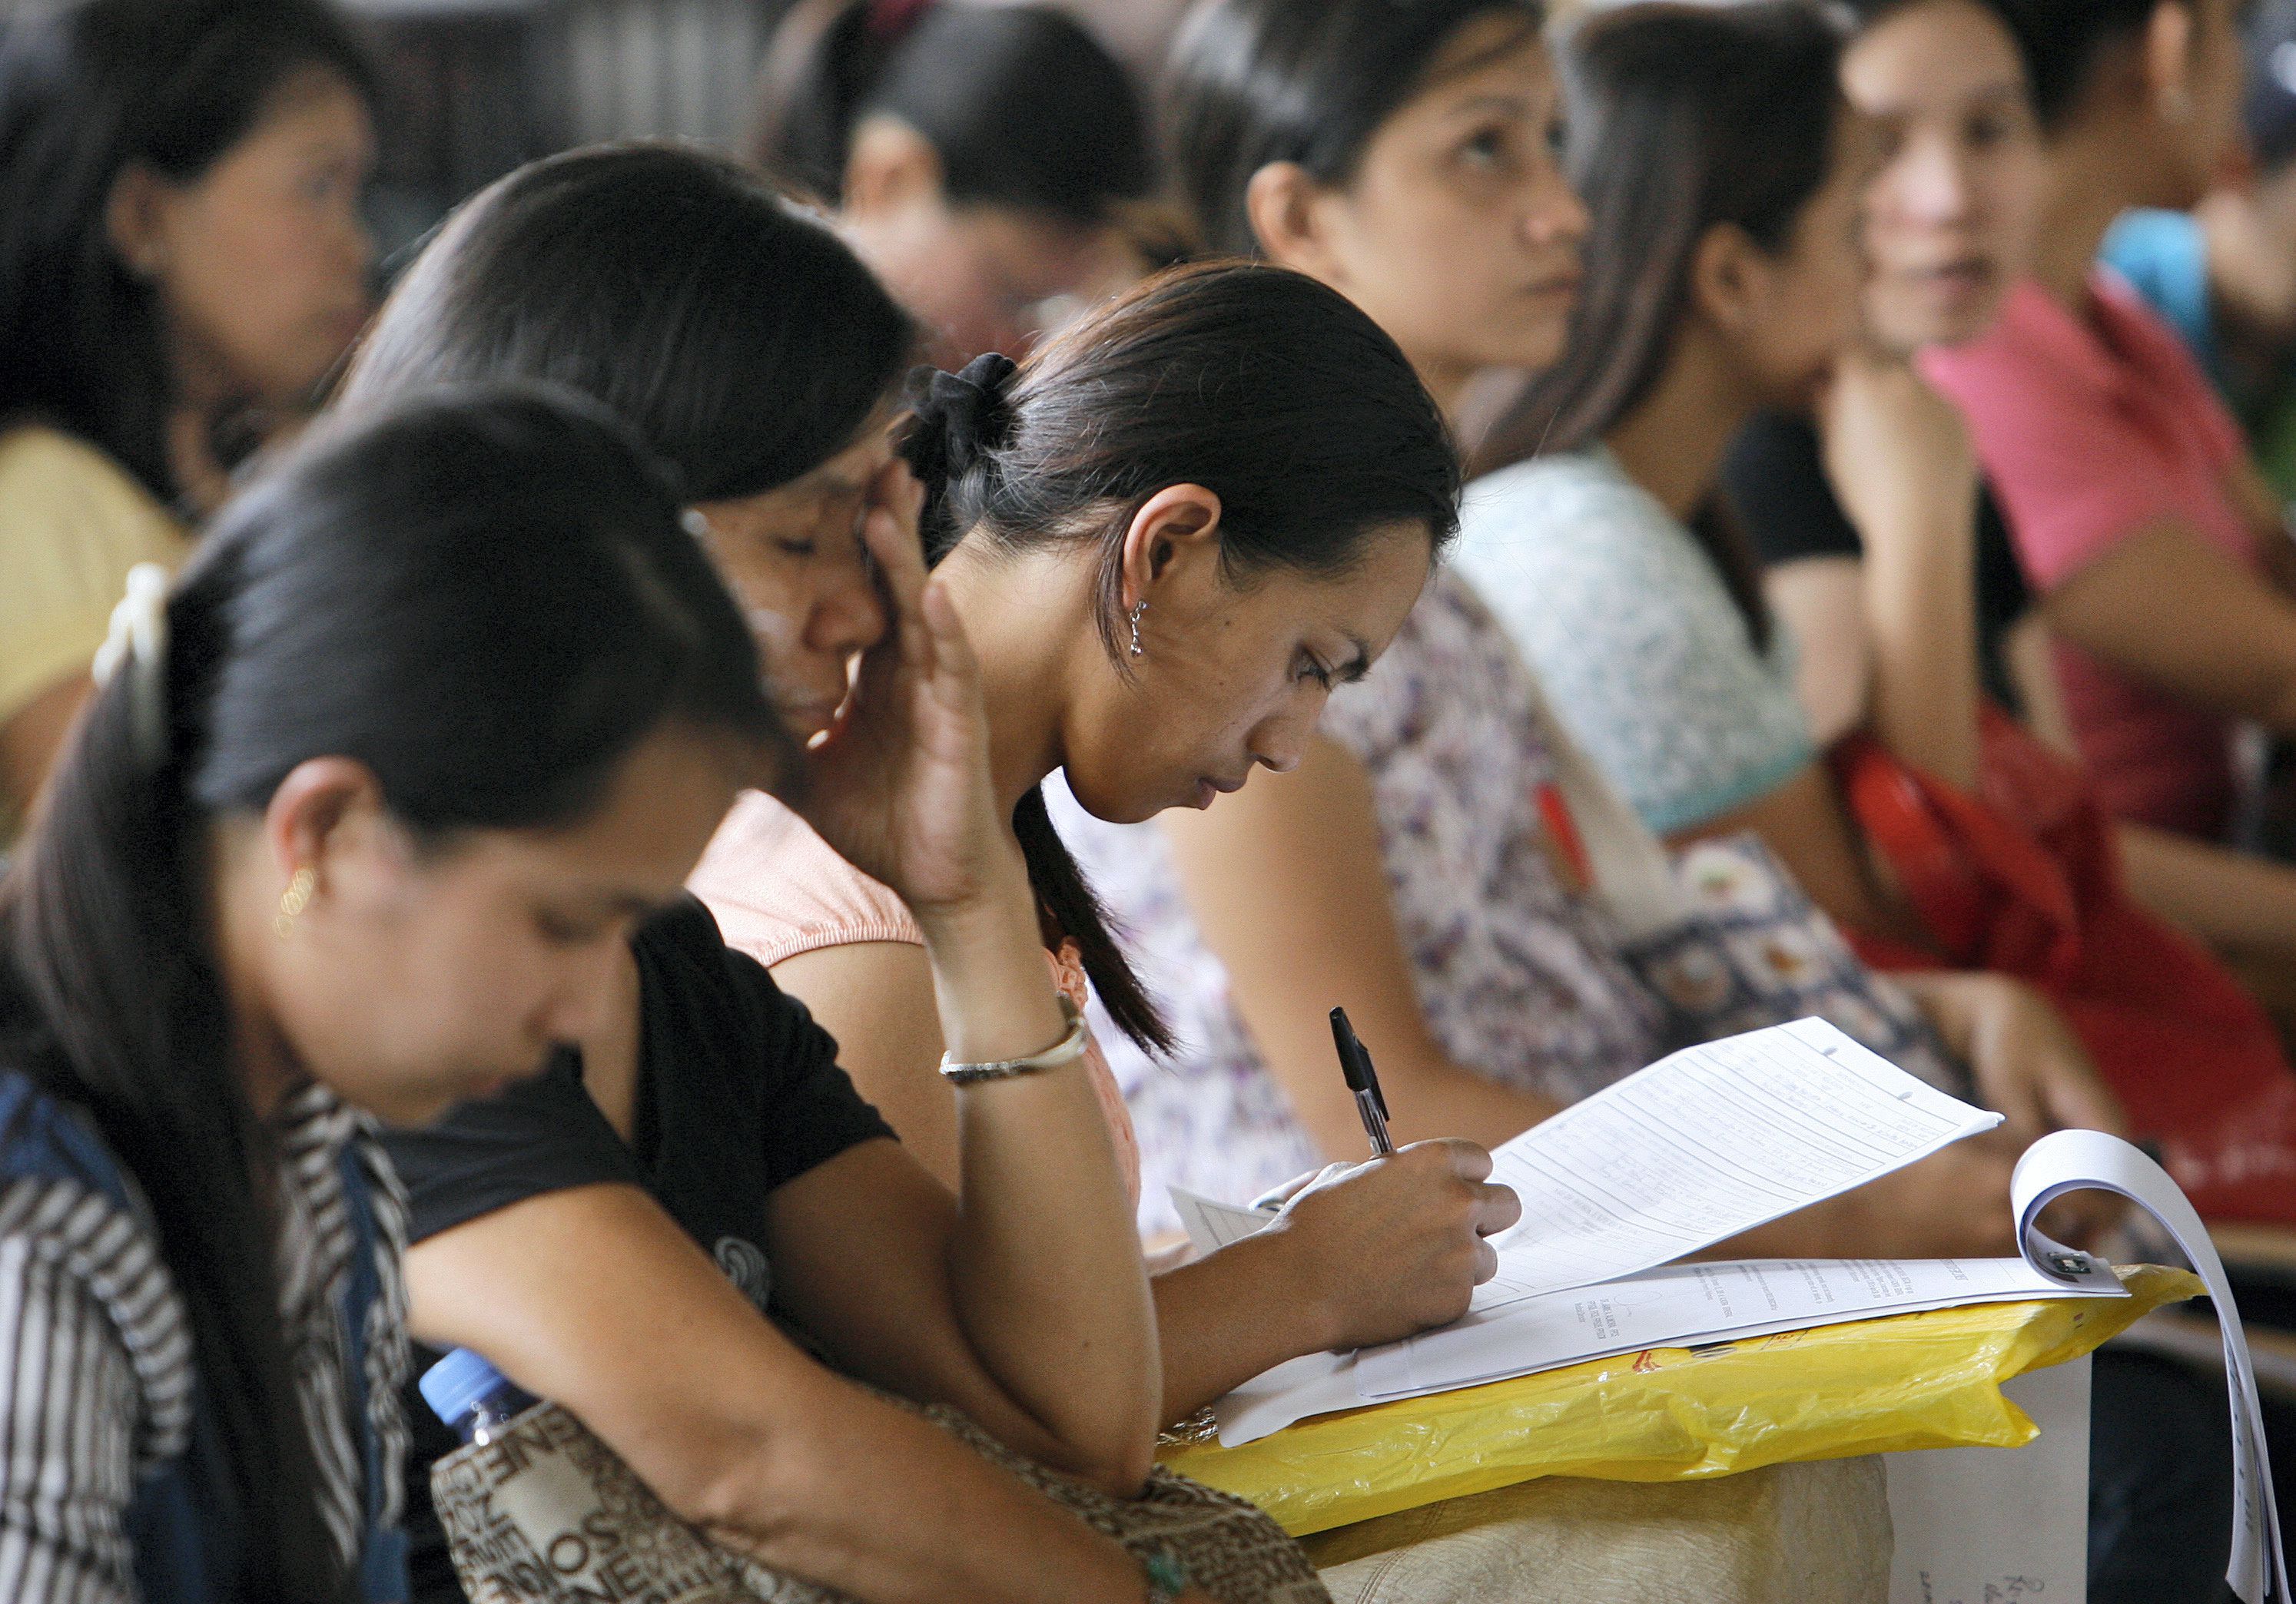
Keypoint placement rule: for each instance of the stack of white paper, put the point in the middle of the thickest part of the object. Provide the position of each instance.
(1699, 1148)
(1688, 1303)
(1681, 1305)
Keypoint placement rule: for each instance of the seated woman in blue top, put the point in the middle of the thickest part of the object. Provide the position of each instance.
(312, 860)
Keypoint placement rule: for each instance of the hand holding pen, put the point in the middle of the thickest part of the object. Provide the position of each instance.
(1422, 1215)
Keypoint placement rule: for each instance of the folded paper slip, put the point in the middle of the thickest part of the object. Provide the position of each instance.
(1924, 1380)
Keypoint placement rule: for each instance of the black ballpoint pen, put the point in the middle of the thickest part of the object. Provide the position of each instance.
(1363, 1080)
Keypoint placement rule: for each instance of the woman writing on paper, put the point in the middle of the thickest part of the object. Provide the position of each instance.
(1413, 868)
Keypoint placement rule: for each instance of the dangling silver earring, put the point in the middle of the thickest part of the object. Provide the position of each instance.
(1138, 610)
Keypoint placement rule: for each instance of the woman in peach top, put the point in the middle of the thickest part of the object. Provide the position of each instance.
(781, 895)
(1087, 548)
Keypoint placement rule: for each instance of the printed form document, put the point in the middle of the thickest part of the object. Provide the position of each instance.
(1713, 1140)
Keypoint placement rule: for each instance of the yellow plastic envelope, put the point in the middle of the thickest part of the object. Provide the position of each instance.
(1926, 1380)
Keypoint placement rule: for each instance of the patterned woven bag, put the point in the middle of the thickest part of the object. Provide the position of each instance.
(544, 1513)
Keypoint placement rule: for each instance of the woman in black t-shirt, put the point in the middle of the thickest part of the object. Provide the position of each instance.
(736, 1093)
(1026, 1304)
(1904, 598)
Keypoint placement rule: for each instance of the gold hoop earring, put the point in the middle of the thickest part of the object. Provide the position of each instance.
(293, 900)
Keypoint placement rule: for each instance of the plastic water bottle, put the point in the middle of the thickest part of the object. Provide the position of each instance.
(471, 1395)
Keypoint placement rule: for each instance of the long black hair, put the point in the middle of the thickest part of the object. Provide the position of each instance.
(486, 598)
(1255, 82)
(739, 337)
(86, 93)
(1684, 117)
(1023, 106)
(1276, 393)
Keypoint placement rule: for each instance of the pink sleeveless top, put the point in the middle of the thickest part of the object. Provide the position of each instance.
(778, 890)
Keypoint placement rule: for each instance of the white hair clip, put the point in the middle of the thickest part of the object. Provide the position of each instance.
(138, 642)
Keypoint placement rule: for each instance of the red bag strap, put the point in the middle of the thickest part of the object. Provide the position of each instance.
(1988, 893)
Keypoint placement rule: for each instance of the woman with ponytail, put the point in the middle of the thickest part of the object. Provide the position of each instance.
(1445, 863)
(978, 157)
(313, 860)
(1173, 533)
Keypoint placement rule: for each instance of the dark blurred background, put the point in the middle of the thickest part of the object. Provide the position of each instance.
(477, 87)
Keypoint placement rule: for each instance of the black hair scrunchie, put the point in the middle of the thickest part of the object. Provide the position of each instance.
(959, 417)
